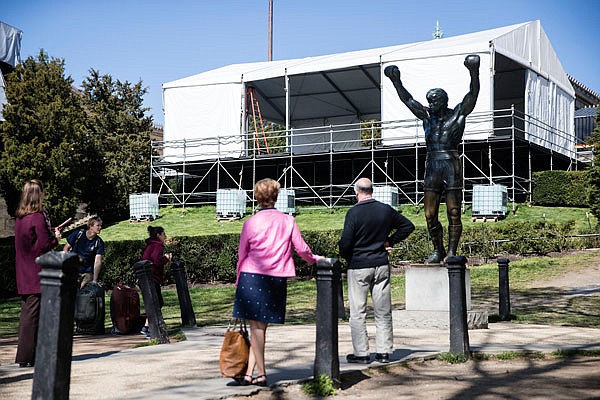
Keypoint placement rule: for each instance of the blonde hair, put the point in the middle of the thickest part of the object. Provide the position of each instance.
(32, 198)
(93, 220)
(266, 191)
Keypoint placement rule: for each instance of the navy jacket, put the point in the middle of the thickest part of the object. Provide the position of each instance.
(366, 229)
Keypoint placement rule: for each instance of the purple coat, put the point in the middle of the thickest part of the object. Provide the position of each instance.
(33, 238)
(154, 252)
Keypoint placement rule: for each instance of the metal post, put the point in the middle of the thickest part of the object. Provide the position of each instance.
(459, 333)
(326, 350)
(330, 167)
(417, 165)
(513, 156)
(530, 175)
(337, 275)
(483, 241)
(58, 278)
(372, 155)
(156, 324)
(491, 177)
(151, 164)
(503, 289)
(270, 55)
(188, 318)
(183, 174)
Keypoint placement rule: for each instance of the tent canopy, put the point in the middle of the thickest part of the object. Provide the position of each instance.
(350, 87)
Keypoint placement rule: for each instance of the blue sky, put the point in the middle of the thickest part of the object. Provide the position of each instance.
(160, 41)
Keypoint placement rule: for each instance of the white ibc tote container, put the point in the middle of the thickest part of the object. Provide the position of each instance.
(386, 194)
(231, 203)
(143, 206)
(286, 201)
(490, 201)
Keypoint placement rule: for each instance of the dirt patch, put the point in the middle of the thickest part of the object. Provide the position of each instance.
(571, 378)
(581, 278)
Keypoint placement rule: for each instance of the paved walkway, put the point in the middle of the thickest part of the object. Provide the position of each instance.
(190, 369)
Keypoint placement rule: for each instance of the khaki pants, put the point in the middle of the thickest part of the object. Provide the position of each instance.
(375, 280)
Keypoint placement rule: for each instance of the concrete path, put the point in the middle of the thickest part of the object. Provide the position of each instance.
(190, 369)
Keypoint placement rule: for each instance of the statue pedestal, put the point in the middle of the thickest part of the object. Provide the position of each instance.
(428, 299)
(427, 288)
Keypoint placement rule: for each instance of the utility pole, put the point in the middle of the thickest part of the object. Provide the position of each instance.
(270, 30)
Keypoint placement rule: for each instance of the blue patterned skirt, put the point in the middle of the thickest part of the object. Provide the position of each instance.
(260, 298)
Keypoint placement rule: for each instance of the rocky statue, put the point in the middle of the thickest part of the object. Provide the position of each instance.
(444, 128)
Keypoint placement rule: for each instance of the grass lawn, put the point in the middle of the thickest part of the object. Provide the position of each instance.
(213, 303)
(197, 221)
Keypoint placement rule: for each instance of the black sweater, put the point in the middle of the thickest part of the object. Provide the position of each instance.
(366, 229)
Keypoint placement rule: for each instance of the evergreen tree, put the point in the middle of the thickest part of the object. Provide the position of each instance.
(594, 171)
(116, 117)
(43, 136)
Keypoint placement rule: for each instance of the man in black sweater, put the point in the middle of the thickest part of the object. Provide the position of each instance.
(365, 243)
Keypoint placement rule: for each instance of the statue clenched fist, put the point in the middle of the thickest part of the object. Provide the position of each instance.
(392, 72)
(472, 62)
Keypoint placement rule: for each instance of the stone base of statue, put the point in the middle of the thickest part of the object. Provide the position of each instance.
(404, 319)
(428, 301)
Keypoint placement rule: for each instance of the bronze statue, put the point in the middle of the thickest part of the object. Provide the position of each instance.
(444, 129)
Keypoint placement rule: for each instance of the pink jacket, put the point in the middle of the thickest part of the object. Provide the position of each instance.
(266, 245)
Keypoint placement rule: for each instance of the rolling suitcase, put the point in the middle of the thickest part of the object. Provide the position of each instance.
(125, 309)
(89, 310)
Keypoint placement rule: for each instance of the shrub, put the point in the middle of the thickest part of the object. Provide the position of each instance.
(560, 188)
(214, 258)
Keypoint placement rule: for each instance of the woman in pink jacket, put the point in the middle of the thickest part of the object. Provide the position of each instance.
(33, 237)
(264, 264)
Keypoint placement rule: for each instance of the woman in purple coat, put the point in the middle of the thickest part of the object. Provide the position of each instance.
(33, 237)
(155, 245)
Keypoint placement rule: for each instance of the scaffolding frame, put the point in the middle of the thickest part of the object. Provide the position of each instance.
(325, 177)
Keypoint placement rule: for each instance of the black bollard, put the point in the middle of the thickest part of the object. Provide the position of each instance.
(503, 289)
(459, 333)
(341, 308)
(58, 278)
(156, 324)
(188, 318)
(326, 350)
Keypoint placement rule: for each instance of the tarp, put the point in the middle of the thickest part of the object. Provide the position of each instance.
(350, 87)
(10, 44)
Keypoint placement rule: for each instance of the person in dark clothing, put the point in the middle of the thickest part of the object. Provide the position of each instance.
(90, 247)
(33, 237)
(155, 245)
(365, 244)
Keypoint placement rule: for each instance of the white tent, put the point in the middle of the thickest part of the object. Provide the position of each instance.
(518, 67)
(10, 50)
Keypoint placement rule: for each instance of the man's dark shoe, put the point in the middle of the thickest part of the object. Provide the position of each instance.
(26, 364)
(382, 357)
(351, 358)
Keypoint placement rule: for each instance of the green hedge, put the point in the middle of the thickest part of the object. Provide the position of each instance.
(560, 188)
(214, 258)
